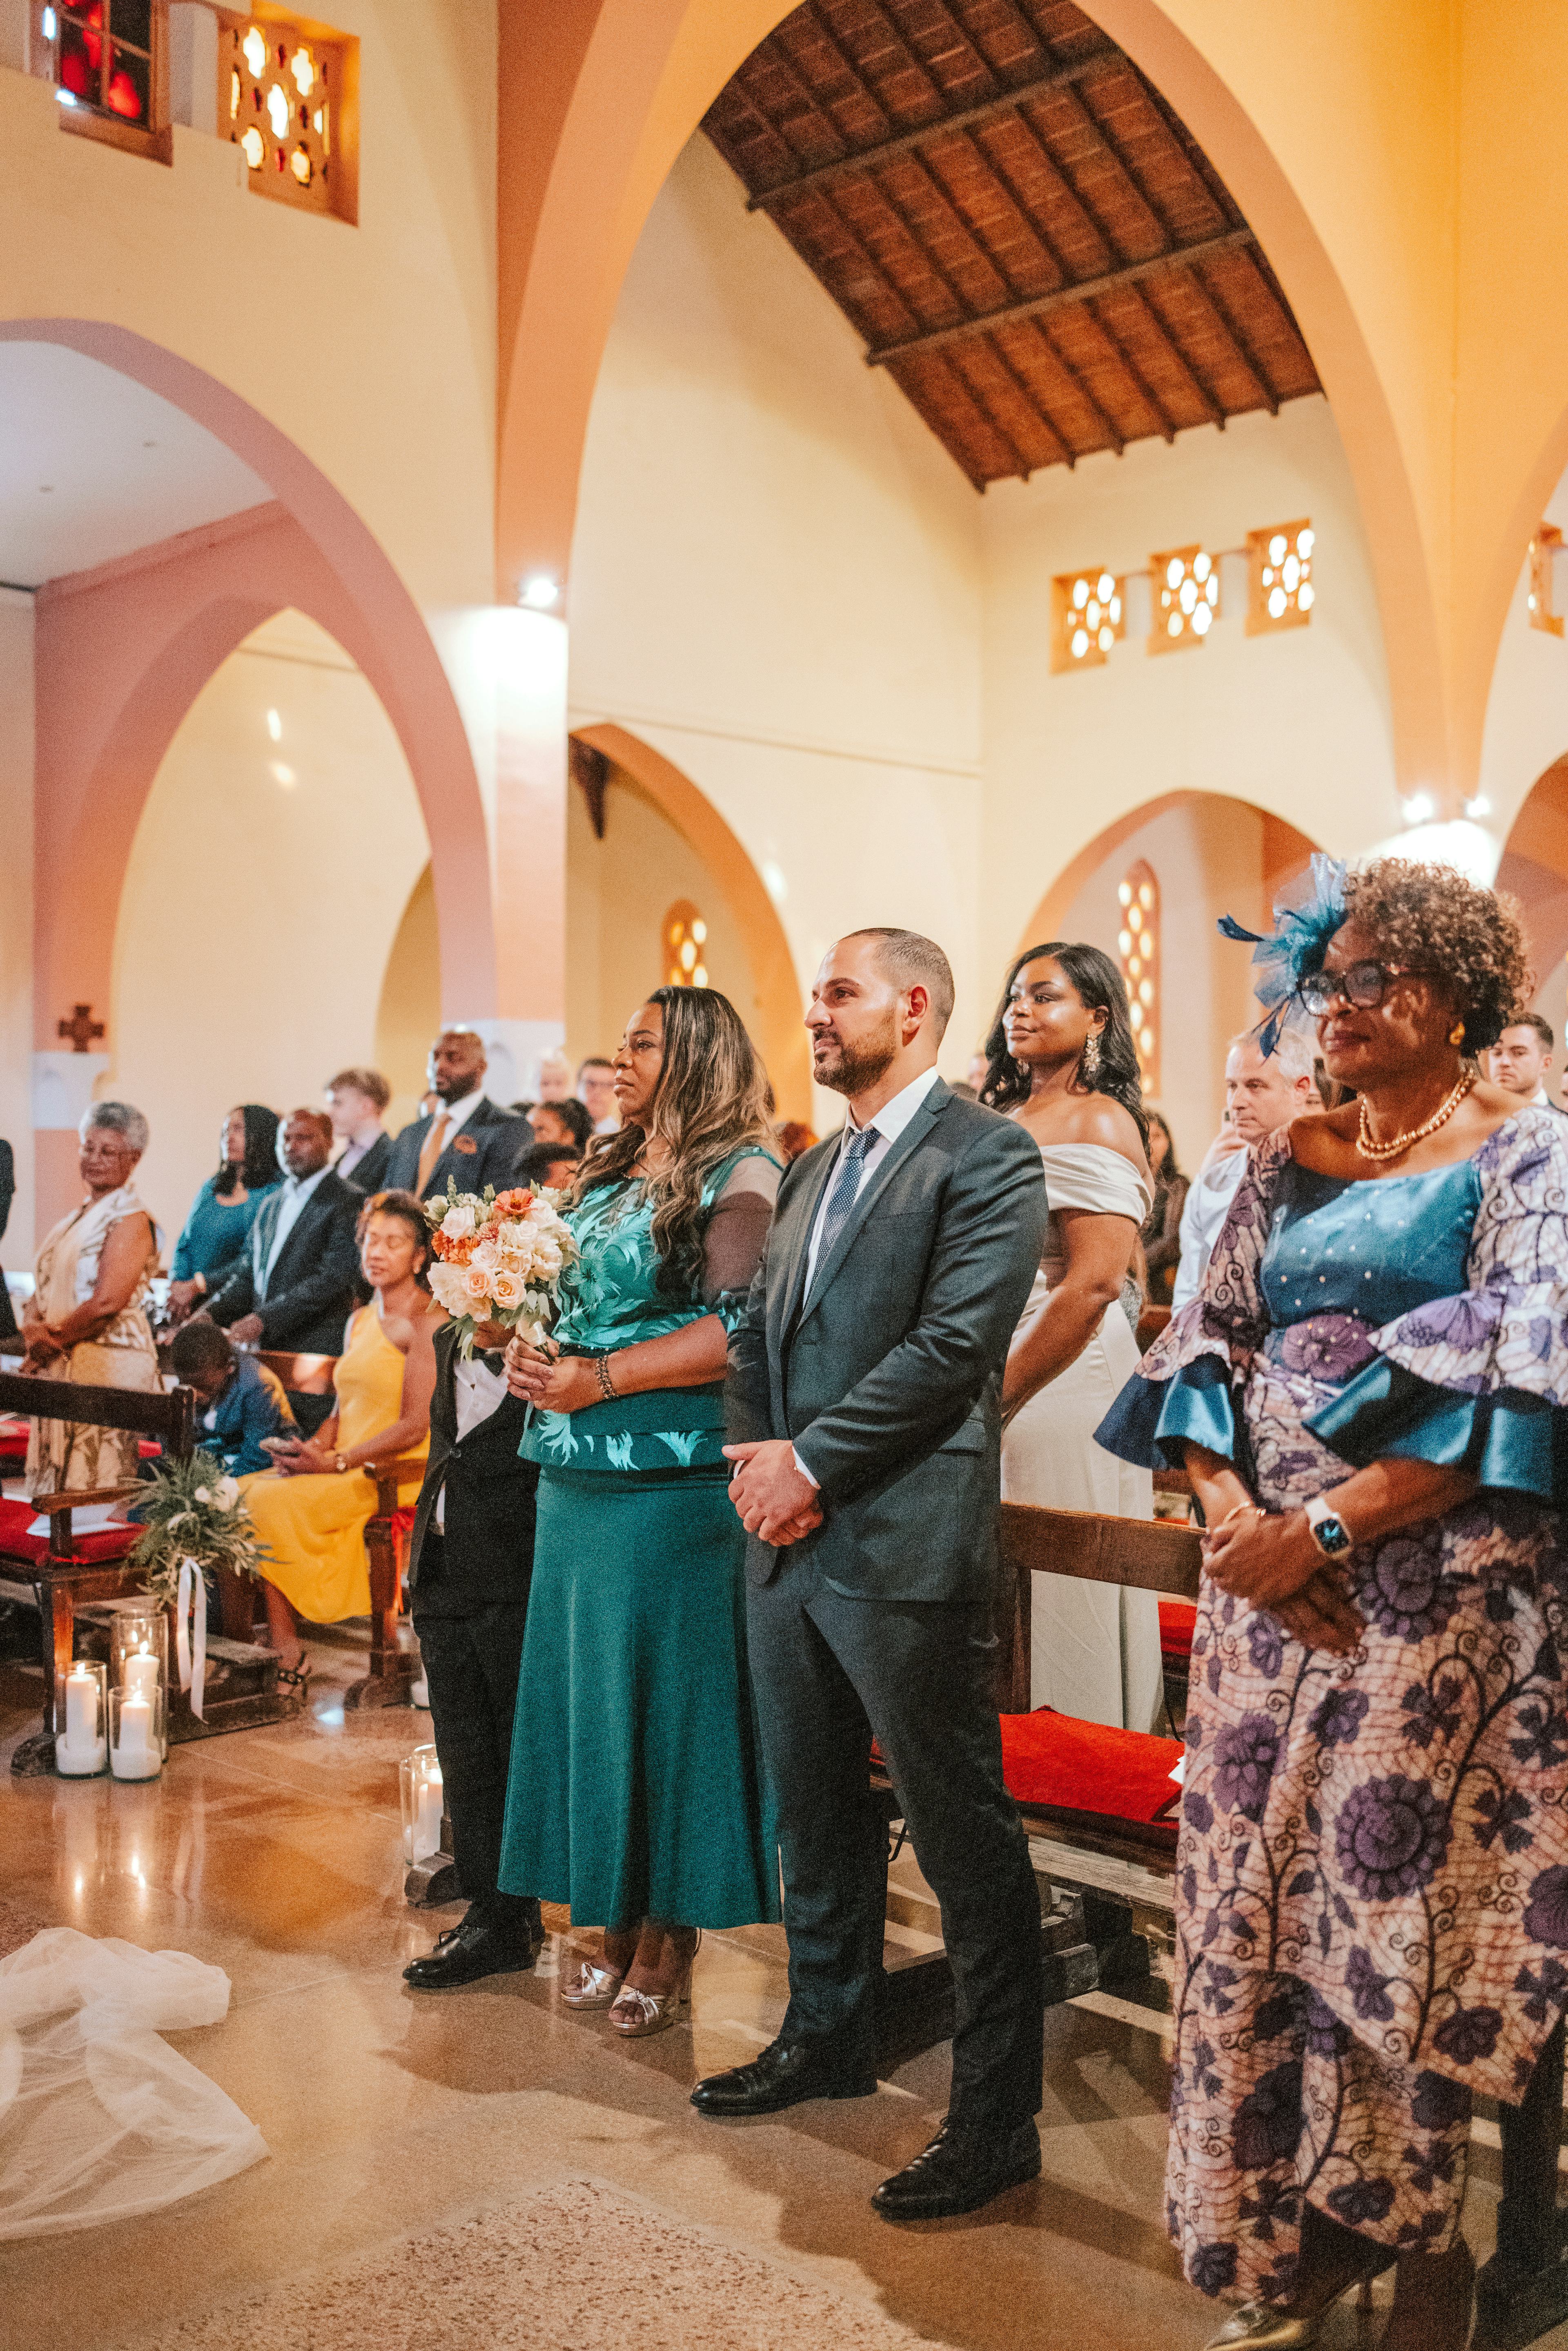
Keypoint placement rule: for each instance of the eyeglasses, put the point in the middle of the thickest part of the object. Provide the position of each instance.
(1363, 986)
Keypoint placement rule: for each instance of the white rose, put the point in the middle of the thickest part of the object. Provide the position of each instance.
(486, 1256)
(449, 1286)
(475, 1286)
(458, 1222)
(546, 1257)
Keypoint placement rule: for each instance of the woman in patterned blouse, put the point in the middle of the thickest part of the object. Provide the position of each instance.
(1368, 1393)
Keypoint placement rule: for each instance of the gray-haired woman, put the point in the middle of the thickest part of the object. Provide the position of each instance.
(86, 1320)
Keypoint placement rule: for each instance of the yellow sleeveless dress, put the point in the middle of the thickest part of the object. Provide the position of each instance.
(313, 1529)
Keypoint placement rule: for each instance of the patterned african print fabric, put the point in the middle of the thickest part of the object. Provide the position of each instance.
(1372, 1870)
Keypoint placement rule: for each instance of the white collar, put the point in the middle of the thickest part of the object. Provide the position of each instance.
(300, 1188)
(894, 1116)
(1541, 1098)
(459, 1113)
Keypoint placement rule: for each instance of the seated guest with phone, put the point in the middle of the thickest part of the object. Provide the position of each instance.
(244, 1403)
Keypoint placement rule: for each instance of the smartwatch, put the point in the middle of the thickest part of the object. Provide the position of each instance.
(1327, 1529)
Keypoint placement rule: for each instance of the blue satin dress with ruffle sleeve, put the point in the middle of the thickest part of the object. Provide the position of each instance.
(1371, 1879)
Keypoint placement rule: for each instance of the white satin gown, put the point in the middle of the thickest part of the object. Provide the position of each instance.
(1096, 1646)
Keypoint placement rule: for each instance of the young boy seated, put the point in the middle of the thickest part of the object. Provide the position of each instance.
(245, 1402)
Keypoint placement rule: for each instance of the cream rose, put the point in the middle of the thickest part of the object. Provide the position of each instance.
(449, 1286)
(507, 1288)
(458, 1222)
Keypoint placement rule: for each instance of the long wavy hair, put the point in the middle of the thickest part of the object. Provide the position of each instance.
(1098, 984)
(259, 1167)
(711, 1096)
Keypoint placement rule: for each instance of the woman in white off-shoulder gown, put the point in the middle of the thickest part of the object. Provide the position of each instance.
(1063, 1064)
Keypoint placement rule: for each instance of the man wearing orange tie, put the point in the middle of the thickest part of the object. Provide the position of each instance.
(468, 1138)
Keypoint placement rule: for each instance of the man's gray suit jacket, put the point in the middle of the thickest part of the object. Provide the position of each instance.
(887, 1377)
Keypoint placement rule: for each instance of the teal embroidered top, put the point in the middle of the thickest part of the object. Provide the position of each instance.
(610, 1297)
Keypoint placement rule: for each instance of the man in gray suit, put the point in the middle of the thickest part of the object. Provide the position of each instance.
(863, 1407)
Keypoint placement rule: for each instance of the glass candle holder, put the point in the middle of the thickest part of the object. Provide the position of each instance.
(136, 1733)
(81, 1719)
(423, 1803)
(139, 1654)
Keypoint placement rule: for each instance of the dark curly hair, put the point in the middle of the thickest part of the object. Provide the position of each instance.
(1438, 922)
(1100, 986)
(409, 1211)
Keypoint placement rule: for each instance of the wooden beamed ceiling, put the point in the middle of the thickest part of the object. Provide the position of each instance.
(1016, 224)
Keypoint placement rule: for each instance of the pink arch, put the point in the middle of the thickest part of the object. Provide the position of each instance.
(123, 653)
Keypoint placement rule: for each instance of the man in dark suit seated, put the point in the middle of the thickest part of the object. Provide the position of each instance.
(469, 1139)
(355, 1101)
(295, 1288)
(469, 1569)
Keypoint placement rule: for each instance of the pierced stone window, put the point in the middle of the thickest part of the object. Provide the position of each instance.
(287, 95)
(1087, 611)
(685, 939)
(1279, 590)
(1138, 950)
(108, 61)
(1185, 598)
(1546, 544)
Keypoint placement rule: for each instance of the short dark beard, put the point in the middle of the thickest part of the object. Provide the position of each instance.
(860, 1067)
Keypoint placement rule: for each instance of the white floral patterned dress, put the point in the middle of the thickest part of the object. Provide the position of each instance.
(1372, 1880)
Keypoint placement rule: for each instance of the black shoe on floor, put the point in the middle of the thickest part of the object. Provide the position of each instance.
(785, 2075)
(958, 2172)
(465, 1953)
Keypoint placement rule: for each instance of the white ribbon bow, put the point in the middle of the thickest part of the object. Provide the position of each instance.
(190, 1632)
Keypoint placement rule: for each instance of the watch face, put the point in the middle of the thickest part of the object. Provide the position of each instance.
(1332, 1534)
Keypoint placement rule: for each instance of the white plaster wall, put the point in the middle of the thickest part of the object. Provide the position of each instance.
(1297, 722)
(258, 914)
(775, 578)
(16, 913)
(1527, 710)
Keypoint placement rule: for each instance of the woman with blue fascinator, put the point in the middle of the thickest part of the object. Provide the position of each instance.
(1369, 1393)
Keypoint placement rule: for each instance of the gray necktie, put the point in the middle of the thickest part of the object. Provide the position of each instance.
(846, 1189)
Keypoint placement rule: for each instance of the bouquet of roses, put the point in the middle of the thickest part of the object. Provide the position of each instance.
(497, 1259)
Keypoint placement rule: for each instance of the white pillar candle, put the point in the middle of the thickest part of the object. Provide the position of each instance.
(432, 1803)
(81, 1709)
(135, 1757)
(140, 1675)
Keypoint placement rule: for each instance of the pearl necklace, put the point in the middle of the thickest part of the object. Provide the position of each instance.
(1402, 1142)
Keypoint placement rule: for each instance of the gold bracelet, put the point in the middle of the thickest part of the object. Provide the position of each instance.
(607, 1388)
(1243, 1510)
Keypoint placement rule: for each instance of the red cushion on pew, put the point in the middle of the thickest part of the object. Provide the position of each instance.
(149, 1449)
(16, 1542)
(1060, 1764)
(1177, 1619)
(12, 1444)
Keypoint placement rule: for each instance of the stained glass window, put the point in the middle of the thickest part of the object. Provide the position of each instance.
(1546, 544)
(1138, 950)
(1086, 613)
(107, 59)
(286, 98)
(684, 943)
(1279, 589)
(1185, 601)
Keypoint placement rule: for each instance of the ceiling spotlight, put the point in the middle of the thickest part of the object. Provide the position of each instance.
(275, 726)
(1478, 806)
(1420, 808)
(539, 593)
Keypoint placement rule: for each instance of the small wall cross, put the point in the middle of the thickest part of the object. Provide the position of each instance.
(81, 1028)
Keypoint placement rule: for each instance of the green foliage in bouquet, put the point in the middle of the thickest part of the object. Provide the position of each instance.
(193, 1509)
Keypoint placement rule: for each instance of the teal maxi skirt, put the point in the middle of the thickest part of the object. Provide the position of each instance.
(636, 1786)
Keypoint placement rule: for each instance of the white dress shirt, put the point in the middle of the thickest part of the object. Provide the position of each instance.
(459, 1113)
(479, 1391)
(886, 1126)
(1203, 1220)
(296, 1190)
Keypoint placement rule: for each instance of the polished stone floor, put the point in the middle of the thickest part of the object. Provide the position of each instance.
(275, 1855)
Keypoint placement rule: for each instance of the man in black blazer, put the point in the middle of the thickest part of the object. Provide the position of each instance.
(469, 1569)
(864, 1405)
(469, 1139)
(294, 1288)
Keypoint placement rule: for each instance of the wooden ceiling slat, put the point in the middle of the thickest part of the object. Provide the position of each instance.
(1040, 305)
(1024, 232)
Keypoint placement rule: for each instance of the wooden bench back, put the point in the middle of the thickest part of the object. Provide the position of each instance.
(304, 1375)
(1149, 1554)
(171, 1417)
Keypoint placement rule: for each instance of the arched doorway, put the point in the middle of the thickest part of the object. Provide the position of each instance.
(1534, 869)
(1205, 854)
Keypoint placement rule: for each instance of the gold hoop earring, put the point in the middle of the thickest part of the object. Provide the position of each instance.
(1456, 1033)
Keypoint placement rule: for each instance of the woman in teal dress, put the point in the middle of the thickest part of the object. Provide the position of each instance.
(636, 1790)
(217, 1230)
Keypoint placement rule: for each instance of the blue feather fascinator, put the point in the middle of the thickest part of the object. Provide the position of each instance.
(1295, 947)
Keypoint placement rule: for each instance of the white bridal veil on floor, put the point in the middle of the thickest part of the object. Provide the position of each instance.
(98, 2118)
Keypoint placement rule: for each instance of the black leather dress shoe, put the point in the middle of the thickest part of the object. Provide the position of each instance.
(474, 1949)
(958, 2172)
(785, 2075)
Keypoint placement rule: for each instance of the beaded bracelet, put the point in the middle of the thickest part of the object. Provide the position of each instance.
(601, 1373)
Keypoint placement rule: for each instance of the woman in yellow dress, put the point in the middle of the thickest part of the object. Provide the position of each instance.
(313, 1509)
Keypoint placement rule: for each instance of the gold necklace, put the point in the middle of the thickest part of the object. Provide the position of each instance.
(1402, 1142)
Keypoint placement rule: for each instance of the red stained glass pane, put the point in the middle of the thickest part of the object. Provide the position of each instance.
(277, 157)
(78, 71)
(128, 93)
